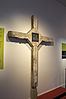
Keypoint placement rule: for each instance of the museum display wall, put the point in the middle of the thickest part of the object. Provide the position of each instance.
(16, 76)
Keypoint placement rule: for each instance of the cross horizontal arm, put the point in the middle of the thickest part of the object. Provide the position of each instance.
(19, 35)
(46, 40)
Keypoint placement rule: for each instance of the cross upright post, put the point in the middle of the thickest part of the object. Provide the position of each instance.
(34, 39)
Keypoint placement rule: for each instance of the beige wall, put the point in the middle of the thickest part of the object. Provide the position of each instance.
(15, 77)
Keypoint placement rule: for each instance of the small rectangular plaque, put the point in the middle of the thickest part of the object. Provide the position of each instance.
(1, 47)
(35, 37)
(64, 50)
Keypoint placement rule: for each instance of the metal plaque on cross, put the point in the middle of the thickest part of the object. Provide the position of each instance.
(35, 40)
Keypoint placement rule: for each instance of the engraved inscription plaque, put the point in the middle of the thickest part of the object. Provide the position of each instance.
(35, 37)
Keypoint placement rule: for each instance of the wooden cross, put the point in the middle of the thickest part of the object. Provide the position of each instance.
(34, 39)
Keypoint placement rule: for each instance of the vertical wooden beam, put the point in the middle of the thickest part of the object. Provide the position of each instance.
(34, 72)
(34, 22)
(34, 93)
